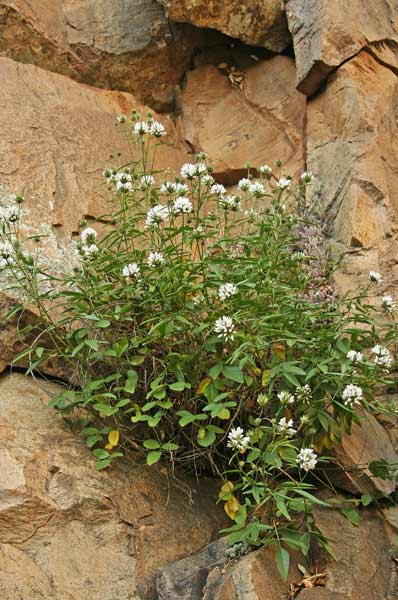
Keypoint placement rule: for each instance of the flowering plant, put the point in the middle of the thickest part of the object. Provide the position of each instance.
(202, 327)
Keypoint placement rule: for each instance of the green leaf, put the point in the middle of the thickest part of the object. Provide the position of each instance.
(131, 382)
(102, 464)
(282, 560)
(351, 515)
(151, 444)
(207, 439)
(366, 500)
(101, 453)
(153, 457)
(179, 386)
(170, 446)
(233, 373)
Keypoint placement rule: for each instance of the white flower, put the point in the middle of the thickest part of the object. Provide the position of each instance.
(146, 181)
(284, 183)
(375, 276)
(387, 302)
(141, 128)
(182, 206)
(88, 236)
(168, 187)
(307, 459)
(9, 214)
(352, 394)
(307, 177)
(110, 175)
(304, 392)
(225, 328)
(355, 356)
(89, 250)
(181, 189)
(286, 397)
(230, 202)
(382, 356)
(218, 189)
(155, 259)
(6, 254)
(121, 119)
(237, 440)
(226, 290)
(251, 215)
(265, 170)
(297, 256)
(207, 180)
(156, 215)
(286, 427)
(256, 189)
(198, 231)
(192, 170)
(131, 270)
(124, 187)
(244, 184)
(157, 129)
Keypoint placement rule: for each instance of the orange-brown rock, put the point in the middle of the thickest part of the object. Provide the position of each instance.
(69, 531)
(255, 22)
(57, 137)
(352, 145)
(258, 124)
(326, 33)
(126, 45)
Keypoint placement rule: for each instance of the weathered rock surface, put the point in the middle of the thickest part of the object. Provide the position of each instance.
(255, 22)
(126, 45)
(352, 145)
(67, 531)
(364, 567)
(258, 124)
(326, 33)
(366, 443)
(57, 137)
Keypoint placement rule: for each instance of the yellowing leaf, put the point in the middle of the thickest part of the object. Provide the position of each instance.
(201, 433)
(265, 378)
(203, 385)
(226, 491)
(113, 438)
(279, 349)
(224, 414)
(231, 507)
(108, 447)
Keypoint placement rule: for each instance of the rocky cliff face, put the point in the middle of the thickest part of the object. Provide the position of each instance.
(311, 82)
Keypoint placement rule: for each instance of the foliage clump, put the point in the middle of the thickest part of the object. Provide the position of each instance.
(202, 328)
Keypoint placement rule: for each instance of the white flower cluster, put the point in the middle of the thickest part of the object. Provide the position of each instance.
(226, 290)
(121, 179)
(192, 170)
(145, 182)
(265, 170)
(388, 303)
(218, 189)
(131, 271)
(150, 127)
(155, 259)
(156, 215)
(181, 206)
(375, 277)
(9, 214)
(382, 356)
(352, 394)
(304, 393)
(237, 440)
(285, 427)
(224, 328)
(355, 356)
(88, 238)
(286, 397)
(6, 254)
(171, 187)
(244, 184)
(307, 459)
(256, 189)
(284, 183)
(307, 177)
(230, 202)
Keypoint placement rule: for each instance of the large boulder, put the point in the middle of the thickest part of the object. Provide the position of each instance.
(259, 123)
(69, 531)
(352, 145)
(326, 33)
(127, 45)
(255, 22)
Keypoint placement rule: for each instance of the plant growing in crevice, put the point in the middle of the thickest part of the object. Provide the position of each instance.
(202, 328)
